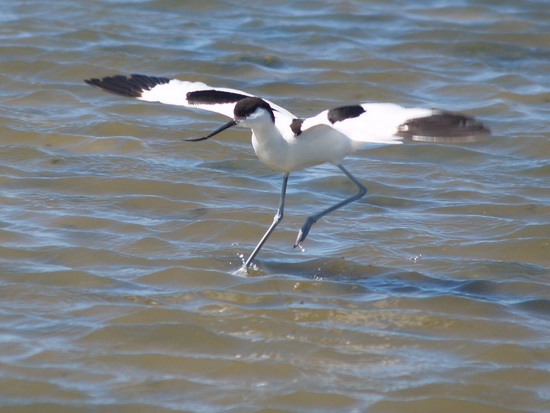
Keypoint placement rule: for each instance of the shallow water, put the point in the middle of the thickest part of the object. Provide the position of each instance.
(121, 244)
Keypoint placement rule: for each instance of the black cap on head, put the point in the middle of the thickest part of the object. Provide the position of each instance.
(243, 109)
(247, 106)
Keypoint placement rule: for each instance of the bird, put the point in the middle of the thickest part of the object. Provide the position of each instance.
(287, 143)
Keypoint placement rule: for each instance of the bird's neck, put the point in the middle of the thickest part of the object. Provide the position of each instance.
(270, 146)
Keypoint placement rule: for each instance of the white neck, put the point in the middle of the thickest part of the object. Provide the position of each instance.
(269, 145)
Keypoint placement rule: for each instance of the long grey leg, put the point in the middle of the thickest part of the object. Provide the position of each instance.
(278, 218)
(313, 219)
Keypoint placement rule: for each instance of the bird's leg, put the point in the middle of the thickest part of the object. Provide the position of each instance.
(314, 218)
(278, 218)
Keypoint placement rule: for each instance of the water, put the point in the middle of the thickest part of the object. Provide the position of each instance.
(120, 243)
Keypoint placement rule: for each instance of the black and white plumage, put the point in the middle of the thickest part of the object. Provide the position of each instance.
(287, 143)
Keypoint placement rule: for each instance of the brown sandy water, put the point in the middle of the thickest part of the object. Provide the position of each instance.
(119, 242)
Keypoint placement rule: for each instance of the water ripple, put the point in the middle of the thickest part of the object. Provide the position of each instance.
(120, 243)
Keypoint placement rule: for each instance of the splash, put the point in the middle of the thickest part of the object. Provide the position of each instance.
(416, 258)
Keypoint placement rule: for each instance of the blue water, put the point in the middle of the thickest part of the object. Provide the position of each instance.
(119, 243)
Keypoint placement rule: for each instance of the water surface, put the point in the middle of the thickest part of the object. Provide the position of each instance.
(119, 243)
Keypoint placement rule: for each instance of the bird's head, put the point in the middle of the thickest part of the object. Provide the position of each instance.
(247, 112)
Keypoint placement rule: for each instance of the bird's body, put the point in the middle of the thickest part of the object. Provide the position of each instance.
(286, 143)
(281, 150)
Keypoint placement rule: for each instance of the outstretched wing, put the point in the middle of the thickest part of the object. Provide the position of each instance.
(177, 92)
(390, 123)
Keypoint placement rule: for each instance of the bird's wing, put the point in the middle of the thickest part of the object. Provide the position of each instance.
(177, 92)
(390, 123)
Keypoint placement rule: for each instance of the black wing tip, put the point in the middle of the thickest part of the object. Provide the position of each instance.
(444, 127)
(131, 86)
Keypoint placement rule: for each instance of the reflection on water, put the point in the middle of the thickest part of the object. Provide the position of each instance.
(121, 244)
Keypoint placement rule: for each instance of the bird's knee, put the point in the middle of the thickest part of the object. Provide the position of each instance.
(278, 217)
